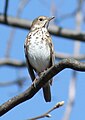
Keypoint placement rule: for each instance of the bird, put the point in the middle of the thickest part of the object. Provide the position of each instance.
(39, 51)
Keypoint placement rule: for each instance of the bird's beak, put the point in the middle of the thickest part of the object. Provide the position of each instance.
(48, 20)
(51, 18)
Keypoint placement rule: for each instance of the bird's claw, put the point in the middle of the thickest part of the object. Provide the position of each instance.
(34, 82)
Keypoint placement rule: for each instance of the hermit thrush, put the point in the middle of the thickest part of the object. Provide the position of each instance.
(39, 51)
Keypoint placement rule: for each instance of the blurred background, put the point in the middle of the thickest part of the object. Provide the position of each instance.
(68, 85)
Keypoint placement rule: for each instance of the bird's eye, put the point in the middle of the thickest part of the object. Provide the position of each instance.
(41, 19)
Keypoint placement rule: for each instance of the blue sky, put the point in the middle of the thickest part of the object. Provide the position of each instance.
(37, 105)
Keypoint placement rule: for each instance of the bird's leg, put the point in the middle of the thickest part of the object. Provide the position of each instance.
(34, 82)
(40, 74)
(37, 77)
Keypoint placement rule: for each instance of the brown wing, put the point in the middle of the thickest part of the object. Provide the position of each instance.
(52, 56)
(30, 68)
(46, 88)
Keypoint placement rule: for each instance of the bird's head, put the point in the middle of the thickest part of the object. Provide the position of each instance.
(41, 21)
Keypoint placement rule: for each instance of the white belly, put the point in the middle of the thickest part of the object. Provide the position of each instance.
(39, 54)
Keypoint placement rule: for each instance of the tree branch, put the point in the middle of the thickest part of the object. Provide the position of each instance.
(44, 78)
(53, 29)
(64, 55)
(12, 63)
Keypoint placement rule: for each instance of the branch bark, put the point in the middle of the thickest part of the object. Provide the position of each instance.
(53, 29)
(31, 91)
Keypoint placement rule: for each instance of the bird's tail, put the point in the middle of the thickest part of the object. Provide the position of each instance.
(47, 92)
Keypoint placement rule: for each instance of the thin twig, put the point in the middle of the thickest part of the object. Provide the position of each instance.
(6, 10)
(59, 104)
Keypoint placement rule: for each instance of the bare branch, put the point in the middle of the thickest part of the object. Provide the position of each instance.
(12, 63)
(6, 9)
(63, 55)
(19, 82)
(31, 91)
(59, 104)
(53, 29)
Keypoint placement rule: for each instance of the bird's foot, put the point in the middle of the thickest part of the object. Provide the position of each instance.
(40, 74)
(34, 82)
